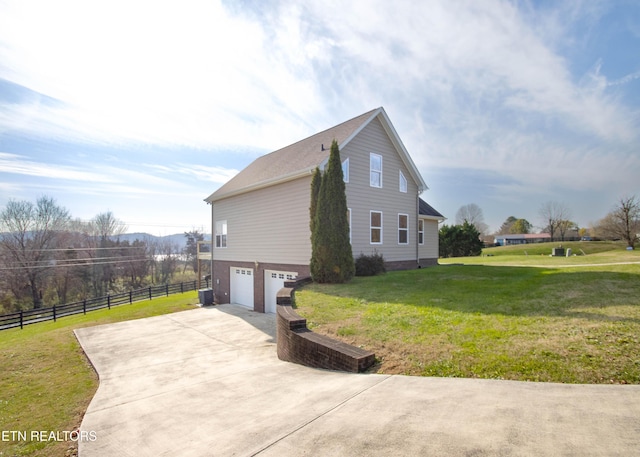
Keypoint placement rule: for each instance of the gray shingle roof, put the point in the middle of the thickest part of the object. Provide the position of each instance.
(293, 160)
(425, 209)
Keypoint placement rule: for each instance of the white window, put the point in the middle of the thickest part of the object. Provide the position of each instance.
(345, 170)
(403, 183)
(221, 234)
(376, 227)
(420, 231)
(403, 229)
(375, 170)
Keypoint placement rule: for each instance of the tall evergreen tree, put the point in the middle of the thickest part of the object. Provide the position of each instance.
(316, 181)
(331, 253)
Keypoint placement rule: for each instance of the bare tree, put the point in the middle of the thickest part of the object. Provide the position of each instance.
(165, 257)
(102, 228)
(190, 251)
(623, 222)
(552, 215)
(136, 261)
(472, 214)
(565, 226)
(105, 225)
(28, 237)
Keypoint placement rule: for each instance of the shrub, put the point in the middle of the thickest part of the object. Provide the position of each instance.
(370, 265)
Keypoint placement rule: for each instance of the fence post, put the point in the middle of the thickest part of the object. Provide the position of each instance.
(130, 296)
(109, 301)
(166, 286)
(21, 319)
(181, 287)
(54, 313)
(84, 306)
(150, 298)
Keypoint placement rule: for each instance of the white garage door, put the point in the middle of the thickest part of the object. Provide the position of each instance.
(273, 282)
(242, 286)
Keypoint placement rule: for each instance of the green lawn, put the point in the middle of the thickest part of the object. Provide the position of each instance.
(572, 324)
(583, 253)
(46, 382)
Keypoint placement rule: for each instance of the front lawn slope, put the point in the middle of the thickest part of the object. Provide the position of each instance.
(570, 325)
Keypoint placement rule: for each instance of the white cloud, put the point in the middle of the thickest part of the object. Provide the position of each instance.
(16, 164)
(203, 75)
(149, 72)
(218, 175)
(491, 85)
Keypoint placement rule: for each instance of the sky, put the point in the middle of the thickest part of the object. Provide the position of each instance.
(144, 108)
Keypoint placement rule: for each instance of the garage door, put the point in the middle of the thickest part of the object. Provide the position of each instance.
(273, 282)
(242, 286)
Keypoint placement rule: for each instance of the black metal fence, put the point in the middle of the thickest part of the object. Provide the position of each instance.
(32, 316)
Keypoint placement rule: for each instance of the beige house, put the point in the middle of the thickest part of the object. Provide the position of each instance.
(260, 218)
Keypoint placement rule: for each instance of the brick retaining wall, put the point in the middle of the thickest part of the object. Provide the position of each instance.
(296, 343)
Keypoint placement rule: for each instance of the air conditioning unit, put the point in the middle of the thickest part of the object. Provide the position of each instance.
(205, 296)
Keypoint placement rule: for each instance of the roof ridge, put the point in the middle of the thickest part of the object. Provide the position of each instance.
(324, 131)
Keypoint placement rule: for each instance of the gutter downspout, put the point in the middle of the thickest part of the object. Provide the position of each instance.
(418, 229)
(211, 249)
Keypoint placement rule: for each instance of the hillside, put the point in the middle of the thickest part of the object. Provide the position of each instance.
(177, 239)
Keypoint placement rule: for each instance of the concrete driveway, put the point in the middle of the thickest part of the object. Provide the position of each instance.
(207, 382)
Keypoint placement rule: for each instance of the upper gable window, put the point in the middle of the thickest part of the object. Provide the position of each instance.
(403, 183)
(345, 170)
(375, 170)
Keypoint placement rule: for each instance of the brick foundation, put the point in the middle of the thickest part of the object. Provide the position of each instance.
(222, 280)
(296, 343)
(409, 264)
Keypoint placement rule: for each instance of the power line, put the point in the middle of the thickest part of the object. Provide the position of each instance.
(83, 264)
(82, 249)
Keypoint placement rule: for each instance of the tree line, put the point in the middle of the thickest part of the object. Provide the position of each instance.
(47, 257)
(621, 223)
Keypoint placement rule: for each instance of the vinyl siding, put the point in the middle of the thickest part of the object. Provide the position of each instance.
(267, 225)
(429, 250)
(271, 225)
(362, 198)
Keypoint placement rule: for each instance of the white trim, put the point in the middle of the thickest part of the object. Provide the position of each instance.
(359, 129)
(262, 184)
(371, 227)
(406, 229)
(349, 217)
(404, 154)
(421, 232)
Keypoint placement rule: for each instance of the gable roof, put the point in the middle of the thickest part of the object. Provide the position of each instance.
(301, 158)
(429, 212)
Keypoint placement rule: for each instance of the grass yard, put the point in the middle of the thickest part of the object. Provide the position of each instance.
(564, 322)
(46, 382)
(538, 254)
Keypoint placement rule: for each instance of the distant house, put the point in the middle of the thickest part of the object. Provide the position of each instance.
(260, 218)
(521, 238)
